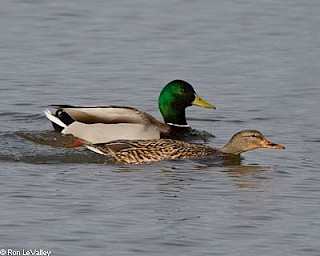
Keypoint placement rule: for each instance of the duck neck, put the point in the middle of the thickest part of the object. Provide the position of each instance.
(232, 148)
(173, 114)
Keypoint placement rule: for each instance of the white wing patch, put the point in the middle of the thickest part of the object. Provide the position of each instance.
(96, 150)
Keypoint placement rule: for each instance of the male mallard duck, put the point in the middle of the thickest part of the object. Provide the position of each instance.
(107, 123)
(147, 151)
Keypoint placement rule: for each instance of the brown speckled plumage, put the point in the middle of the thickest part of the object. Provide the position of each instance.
(147, 151)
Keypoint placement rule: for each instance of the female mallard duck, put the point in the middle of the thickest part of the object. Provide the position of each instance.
(107, 123)
(147, 151)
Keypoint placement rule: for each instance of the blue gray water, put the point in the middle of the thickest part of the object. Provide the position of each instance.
(257, 61)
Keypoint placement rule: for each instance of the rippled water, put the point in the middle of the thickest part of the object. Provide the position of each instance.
(257, 61)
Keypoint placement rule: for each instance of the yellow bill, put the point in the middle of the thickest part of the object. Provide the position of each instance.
(202, 103)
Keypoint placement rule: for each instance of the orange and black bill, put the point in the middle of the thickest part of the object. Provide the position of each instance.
(268, 144)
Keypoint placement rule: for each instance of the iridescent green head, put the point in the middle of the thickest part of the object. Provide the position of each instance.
(175, 97)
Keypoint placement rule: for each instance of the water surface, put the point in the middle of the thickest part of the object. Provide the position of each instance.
(258, 62)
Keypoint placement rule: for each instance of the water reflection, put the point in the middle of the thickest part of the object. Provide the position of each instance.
(49, 138)
(43, 147)
(244, 175)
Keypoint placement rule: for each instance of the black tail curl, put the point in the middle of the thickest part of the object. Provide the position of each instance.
(64, 117)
